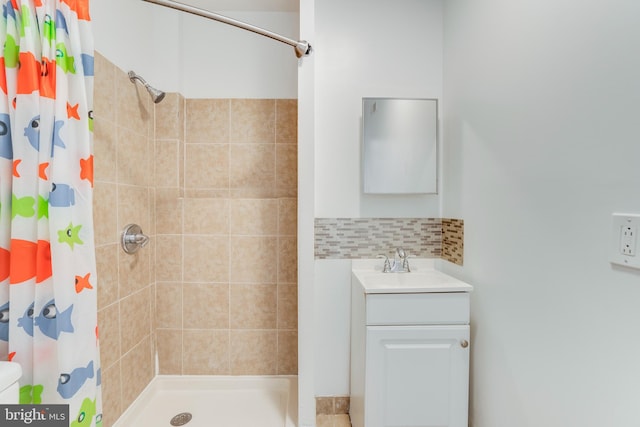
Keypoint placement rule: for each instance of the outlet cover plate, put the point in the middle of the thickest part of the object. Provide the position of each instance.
(620, 238)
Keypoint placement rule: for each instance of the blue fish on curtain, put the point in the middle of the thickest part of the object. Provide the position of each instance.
(48, 306)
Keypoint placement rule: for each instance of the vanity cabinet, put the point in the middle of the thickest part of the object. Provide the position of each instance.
(409, 357)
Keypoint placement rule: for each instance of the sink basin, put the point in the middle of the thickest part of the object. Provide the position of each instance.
(423, 278)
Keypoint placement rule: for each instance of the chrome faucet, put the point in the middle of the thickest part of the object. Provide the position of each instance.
(386, 268)
(404, 258)
(400, 263)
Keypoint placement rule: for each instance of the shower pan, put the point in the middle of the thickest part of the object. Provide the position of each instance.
(205, 401)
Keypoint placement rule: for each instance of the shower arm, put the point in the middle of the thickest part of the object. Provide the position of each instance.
(301, 47)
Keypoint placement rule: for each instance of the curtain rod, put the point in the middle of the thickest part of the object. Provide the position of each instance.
(301, 47)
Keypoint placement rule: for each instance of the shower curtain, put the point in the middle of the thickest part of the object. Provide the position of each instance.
(48, 301)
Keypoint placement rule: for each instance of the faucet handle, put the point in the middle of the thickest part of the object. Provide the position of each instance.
(387, 265)
(133, 238)
(405, 264)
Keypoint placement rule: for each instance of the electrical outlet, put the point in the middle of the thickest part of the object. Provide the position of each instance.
(624, 240)
(628, 240)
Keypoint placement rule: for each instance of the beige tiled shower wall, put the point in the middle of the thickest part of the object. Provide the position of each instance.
(213, 183)
(226, 269)
(226, 265)
(123, 194)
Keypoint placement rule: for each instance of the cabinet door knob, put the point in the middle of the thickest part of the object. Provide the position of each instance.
(464, 343)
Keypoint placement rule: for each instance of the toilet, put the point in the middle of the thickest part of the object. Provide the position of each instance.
(10, 373)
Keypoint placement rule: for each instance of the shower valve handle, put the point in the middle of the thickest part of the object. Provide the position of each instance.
(133, 239)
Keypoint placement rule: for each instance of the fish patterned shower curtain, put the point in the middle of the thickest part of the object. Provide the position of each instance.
(48, 283)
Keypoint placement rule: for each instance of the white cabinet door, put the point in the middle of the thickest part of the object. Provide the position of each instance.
(417, 376)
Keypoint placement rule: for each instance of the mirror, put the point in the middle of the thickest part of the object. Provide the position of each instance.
(399, 150)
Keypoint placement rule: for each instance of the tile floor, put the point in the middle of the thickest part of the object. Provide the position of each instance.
(339, 420)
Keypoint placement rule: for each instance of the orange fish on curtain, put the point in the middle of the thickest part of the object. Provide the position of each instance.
(48, 280)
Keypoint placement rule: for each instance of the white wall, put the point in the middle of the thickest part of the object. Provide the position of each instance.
(363, 48)
(382, 48)
(306, 302)
(221, 61)
(198, 57)
(541, 147)
(133, 33)
(332, 333)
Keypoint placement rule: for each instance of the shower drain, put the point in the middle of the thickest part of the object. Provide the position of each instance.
(181, 419)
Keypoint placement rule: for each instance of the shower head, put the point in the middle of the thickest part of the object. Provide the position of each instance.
(156, 94)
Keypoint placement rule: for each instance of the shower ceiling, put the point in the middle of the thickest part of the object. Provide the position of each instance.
(252, 5)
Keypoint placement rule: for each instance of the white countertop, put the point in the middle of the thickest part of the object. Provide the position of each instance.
(423, 278)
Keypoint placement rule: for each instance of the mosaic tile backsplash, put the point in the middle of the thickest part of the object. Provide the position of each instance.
(355, 238)
(453, 240)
